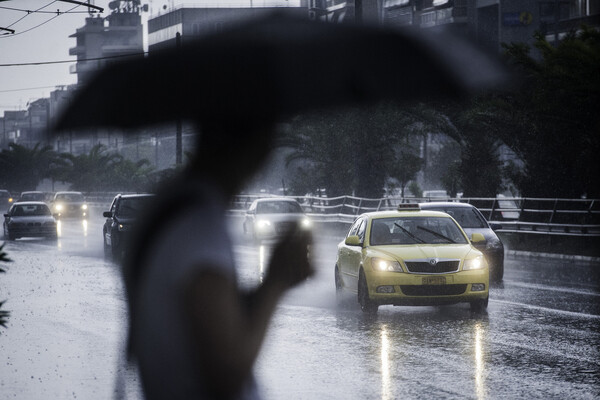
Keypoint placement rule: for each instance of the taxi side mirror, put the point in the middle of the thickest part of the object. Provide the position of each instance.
(477, 237)
(353, 241)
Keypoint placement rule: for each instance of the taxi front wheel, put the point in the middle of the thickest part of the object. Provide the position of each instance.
(479, 305)
(366, 304)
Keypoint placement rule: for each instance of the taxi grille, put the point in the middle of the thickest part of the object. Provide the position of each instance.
(425, 267)
(433, 290)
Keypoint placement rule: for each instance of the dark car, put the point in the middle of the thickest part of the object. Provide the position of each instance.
(6, 200)
(471, 220)
(29, 219)
(124, 209)
(32, 196)
(69, 204)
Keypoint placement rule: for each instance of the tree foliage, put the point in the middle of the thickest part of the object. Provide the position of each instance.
(100, 170)
(354, 151)
(22, 168)
(3, 313)
(552, 122)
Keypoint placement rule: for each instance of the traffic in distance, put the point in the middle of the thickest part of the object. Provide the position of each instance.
(420, 254)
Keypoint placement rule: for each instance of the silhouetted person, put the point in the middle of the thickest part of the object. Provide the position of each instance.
(194, 333)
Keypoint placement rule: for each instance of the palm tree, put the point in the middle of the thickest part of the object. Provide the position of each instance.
(22, 168)
(102, 171)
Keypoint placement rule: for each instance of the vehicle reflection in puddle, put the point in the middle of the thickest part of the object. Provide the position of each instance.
(386, 387)
(479, 362)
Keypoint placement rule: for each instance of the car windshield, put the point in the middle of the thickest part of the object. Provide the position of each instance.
(467, 217)
(278, 207)
(129, 207)
(30, 210)
(415, 230)
(69, 197)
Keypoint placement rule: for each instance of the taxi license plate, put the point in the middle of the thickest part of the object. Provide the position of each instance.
(434, 280)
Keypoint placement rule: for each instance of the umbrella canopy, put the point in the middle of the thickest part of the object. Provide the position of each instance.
(275, 66)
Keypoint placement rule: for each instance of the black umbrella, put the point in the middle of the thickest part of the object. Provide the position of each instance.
(268, 68)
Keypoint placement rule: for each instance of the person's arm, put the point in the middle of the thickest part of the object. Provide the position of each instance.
(230, 325)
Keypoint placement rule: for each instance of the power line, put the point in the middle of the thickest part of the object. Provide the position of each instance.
(25, 16)
(31, 88)
(72, 61)
(37, 26)
(43, 12)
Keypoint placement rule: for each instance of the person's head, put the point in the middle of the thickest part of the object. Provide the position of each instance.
(228, 154)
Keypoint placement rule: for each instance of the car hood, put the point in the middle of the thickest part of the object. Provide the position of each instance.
(34, 219)
(423, 251)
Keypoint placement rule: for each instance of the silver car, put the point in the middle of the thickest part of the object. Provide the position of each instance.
(269, 218)
(29, 219)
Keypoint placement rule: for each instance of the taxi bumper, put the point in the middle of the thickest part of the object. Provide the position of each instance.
(399, 288)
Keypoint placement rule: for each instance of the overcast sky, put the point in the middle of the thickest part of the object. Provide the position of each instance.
(44, 37)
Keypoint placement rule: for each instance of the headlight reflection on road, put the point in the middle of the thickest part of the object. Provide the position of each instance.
(84, 225)
(261, 261)
(59, 228)
(479, 362)
(386, 390)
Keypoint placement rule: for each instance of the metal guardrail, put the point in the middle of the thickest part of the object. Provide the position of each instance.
(566, 217)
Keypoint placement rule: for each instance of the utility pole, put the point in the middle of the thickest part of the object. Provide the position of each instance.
(178, 139)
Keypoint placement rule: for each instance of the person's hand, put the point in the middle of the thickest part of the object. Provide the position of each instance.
(291, 260)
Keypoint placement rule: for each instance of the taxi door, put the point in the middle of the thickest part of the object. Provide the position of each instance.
(350, 256)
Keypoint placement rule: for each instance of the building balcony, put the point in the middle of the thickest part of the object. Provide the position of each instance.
(77, 50)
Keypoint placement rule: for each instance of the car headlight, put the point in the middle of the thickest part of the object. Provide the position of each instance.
(123, 227)
(379, 264)
(474, 263)
(263, 223)
(84, 207)
(58, 207)
(305, 223)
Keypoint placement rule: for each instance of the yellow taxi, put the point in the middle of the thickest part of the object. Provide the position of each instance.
(411, 256)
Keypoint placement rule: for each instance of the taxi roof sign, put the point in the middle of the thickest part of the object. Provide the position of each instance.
(409, 207)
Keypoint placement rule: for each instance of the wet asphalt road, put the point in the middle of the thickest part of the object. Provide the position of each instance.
(539, 339)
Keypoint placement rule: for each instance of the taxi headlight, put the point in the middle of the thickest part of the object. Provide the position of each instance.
(381, 265)
(474, 263)
(123, 227)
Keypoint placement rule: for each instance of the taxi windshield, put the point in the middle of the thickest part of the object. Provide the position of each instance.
(415, 230)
